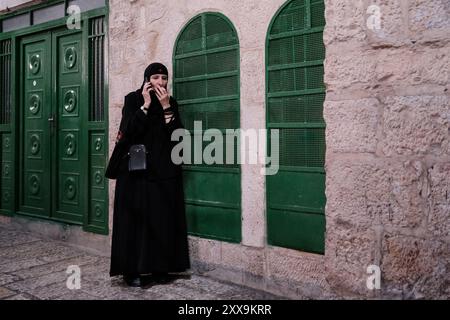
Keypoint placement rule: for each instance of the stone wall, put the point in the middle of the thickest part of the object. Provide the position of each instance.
(388, 158)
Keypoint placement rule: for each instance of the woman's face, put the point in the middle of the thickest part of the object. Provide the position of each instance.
(159, 80)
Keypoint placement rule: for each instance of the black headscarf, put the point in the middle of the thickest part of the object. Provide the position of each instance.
(154, 68)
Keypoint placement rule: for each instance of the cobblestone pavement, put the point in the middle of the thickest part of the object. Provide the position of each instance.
(32, 268)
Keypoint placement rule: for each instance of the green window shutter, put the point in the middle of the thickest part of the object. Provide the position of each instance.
(295, 96)
(206, 85)
(6, 155)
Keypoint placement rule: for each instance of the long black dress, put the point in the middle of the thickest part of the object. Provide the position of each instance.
(149, 223)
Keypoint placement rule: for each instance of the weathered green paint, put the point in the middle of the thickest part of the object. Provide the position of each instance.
(295, 96)
(206, 85)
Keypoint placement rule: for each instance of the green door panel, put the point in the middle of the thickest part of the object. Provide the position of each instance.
(97, 219)
(35, 147)
(214, 187)
(305, 190)
(302, 228)
(70, 152)
(213, 222)
(7, 203)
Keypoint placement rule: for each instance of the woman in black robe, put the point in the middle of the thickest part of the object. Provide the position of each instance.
(149, 224)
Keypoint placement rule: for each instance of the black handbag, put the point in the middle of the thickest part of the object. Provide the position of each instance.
(119, 153)
(138, 158)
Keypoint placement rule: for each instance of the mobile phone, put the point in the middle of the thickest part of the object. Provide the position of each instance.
(151, 86)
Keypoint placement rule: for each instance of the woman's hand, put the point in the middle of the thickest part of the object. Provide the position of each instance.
(163, 96)
(146, 94)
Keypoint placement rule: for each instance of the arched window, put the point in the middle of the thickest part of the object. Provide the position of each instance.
(295, 96)
(206, 85)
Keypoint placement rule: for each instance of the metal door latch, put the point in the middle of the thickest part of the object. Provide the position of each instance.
(52, 122)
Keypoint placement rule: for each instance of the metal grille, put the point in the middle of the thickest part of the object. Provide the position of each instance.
(191, 90)
(222, 86)
(206, 73)
(97, 69)
(191, 39)
(221, 62)
(190, 116)
(191, 66)
(302, 147)
(314, 47)
(296, 89)
(293, 17)
(5, 81)
(218, 32)
(214, 115)
(317, 13)
(307, 109)
(281, 51)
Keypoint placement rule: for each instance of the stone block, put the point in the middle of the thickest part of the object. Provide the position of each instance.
(300, 270)
(344, 21)
(374, 192)
(352, 125)
(439, 200)
(414, 268)
(384, 71)
(415, 125)
(429, 21)
(243, 258)
(207, 251)
(349, 251)
(392, 16)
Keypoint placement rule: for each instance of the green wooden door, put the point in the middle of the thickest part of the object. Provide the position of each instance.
(206, 85)
(68, 169)
(36, 140)
(295, 96)
(52, 170)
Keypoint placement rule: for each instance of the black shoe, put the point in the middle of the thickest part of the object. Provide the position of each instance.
(132, 281)
(147, 281)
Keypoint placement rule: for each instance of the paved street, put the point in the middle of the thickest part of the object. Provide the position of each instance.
(32, 268)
